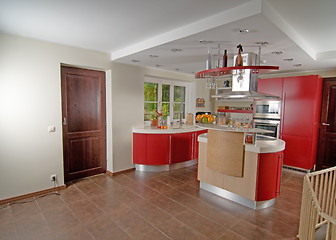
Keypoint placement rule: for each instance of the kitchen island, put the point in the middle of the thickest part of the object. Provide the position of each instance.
(246, 173)
(157, 149)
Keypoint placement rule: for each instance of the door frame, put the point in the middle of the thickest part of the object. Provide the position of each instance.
(324, 114)
(105, 103)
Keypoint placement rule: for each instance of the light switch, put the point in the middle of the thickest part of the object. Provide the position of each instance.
(51, 129)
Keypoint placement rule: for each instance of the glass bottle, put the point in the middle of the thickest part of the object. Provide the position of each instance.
(225, 58)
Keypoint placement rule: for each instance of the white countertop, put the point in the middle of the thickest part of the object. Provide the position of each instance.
(261, 146)
(169, 130)
(231, 128)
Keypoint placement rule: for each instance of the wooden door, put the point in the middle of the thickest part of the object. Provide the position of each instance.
(84, 124)
(327, 138)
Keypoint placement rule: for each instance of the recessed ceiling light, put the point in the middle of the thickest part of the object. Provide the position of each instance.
(243, 31)
(177, 69)
(153, 56)
(288, 59)
(135, 61)
(297, 65)
(158, 65)
(262, 43)
(277, 52)
(176, 50)
(203, 41)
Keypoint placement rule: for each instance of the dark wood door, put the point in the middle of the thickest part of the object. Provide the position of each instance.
(327, 137)
(84, 124)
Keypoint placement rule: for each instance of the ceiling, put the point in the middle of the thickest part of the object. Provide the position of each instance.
(144, 32)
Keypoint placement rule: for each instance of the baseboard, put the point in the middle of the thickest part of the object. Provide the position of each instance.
(111, 174)
(295, 169)
(34, 194)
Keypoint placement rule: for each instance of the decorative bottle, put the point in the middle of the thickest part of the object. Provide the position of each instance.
(239, 59)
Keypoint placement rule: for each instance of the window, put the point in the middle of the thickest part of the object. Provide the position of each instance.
(151, 99)
(168, 97)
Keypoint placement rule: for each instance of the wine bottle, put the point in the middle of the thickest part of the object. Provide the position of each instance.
(225, 58)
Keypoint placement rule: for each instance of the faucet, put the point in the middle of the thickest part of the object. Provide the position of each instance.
(181, 118)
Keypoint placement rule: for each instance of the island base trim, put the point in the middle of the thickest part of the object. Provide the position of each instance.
(236, 198)
(164, 168)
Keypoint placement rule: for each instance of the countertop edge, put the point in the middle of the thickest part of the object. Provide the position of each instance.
(169, 130)
(261, 146)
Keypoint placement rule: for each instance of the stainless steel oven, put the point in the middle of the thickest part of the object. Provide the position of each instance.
(268, 124)
(267, 109)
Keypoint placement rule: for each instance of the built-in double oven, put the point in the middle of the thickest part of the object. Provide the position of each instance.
(267, 115)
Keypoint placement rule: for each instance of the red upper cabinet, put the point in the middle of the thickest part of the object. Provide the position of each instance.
(302, 101)
(271, 86)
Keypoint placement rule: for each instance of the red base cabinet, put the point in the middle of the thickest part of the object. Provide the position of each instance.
(181, 147)
(163, 149)
(151, 149)
(301, 96)
(269, 176)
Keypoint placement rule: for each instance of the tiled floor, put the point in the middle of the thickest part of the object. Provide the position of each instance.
(148, 206)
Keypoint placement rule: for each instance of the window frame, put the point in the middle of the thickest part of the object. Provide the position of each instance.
(172, 83)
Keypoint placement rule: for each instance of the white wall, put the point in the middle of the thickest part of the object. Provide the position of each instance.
(30, 101)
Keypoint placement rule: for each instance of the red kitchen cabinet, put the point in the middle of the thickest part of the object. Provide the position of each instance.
(302, 103)
(196, 146)
(139, 148)
(271, 86)
(269, 176)
(301, 96)
(151, 149)
(181, 147)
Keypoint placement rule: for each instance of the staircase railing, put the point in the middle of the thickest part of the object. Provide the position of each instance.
(318, 204)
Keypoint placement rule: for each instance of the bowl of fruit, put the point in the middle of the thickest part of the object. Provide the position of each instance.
(205, 118)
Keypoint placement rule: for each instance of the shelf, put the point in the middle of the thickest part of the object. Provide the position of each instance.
(231, 70)
(234, 111)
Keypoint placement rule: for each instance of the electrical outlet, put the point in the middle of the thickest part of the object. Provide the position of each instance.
(53, 178)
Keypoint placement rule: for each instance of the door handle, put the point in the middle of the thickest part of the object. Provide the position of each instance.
(64, 121)
(326, 124)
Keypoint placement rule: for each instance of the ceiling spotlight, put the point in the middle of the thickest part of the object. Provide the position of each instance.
(277, 52)
(297, 65)
(177, 69)
(153, 56)
(288, 59)
(176, 50)
(158, 65)
(135, 61)
(262, 43)
(243, 31)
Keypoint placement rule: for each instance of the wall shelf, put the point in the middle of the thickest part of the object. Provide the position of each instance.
(234, 111)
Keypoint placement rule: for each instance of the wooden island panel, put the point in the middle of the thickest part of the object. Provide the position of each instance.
(244, 186)
(226, 152)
